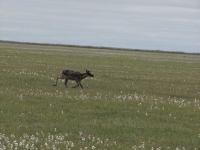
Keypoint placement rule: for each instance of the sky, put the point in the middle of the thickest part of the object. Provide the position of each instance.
(168, 25)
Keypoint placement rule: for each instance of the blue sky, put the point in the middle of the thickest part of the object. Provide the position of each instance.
(169, 25)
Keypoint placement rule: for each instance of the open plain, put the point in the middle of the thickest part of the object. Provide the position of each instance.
(136, 100)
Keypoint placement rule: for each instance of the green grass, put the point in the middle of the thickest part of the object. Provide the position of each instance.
(137, 99)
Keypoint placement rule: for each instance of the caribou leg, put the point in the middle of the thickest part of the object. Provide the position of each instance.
(61, 77)
(76, 85)
(56, 81)
(80, 84)
(66, 82)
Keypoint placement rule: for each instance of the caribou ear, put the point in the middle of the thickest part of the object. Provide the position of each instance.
(87, 70)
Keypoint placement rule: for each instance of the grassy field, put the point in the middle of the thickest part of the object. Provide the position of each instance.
(137, 99)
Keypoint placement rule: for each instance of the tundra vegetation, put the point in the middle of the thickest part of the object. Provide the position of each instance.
(136, 99)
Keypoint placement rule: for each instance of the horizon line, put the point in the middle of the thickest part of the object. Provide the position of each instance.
(98, 47)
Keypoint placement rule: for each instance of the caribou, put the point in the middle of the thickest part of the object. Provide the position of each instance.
(73, 75)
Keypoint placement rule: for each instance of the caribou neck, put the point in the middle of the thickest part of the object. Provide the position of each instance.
(84, 75)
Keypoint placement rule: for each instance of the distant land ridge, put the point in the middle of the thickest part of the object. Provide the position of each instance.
(97, 47)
